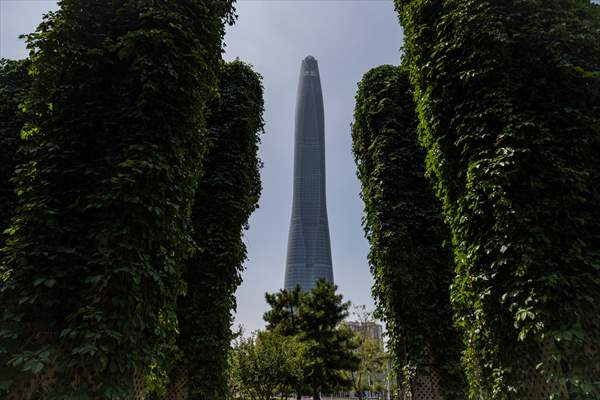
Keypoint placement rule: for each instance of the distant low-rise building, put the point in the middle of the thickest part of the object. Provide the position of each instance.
(370, 330)
(374, 382)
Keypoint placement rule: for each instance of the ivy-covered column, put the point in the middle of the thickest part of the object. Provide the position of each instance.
(14, 86)
(411, 265)
(508, 95)
(90, 273)
(227, 194)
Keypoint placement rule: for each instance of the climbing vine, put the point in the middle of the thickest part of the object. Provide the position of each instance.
(14, 84)
(508, 97)
(227, 194)
(91, 267)
(411, 265)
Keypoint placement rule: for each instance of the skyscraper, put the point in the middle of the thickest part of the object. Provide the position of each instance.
(309, 249)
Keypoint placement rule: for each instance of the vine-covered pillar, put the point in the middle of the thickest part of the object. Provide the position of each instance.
(508, 97)
(91, 268)
(14, 86)
(227, 194)
(410, 261)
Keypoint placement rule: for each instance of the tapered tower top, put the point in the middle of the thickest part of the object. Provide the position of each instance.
(309, 248)
(310, 66)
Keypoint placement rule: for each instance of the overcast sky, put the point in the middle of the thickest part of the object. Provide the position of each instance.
(347, 38)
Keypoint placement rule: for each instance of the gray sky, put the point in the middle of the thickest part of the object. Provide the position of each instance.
(347, 38)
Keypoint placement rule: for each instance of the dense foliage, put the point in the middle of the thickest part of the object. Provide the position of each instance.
(227, 194)
(91, 269)
(508, 97)
(314, 317)
(411, 267)
(265, 365)
(283, 317)
(14, 85)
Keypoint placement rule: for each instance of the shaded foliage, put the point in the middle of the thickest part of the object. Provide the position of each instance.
(283, 316)
(92, 265)
(14, 85)
(508, 97)
(411, 266)
(314, 317)
(227, 194)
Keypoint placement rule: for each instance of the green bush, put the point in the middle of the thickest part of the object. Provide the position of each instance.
(92, 265)
(411, 266)
(508, 97)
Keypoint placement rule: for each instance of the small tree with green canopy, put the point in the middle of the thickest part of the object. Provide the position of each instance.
(227, 194)
(373, 357)
(91, 268)
(267, 364)
(411, 266)
(14, 86)
(372, 360)
(315, 318)
(508, 97)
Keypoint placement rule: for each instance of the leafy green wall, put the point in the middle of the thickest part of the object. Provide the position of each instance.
(508, 98)
(411, 265)
(92, 265)
(14, 85)
(227, 194)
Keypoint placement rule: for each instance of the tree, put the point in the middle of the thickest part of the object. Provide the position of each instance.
(283, 316)
(372, 360)
(508, 97)
(329, 345)
(315, 317)
(370, 351)
(226, 196)
(411, 265)
(14, 85)
(91, 267)
(267, 364)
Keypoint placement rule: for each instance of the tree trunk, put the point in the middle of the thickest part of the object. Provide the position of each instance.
(316, 394)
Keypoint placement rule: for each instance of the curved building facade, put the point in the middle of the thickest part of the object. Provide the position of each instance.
(309, 248)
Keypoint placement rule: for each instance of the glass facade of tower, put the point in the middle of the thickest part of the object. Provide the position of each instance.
(309, 249)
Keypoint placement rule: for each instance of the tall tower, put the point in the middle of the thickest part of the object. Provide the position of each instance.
(309, 249)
